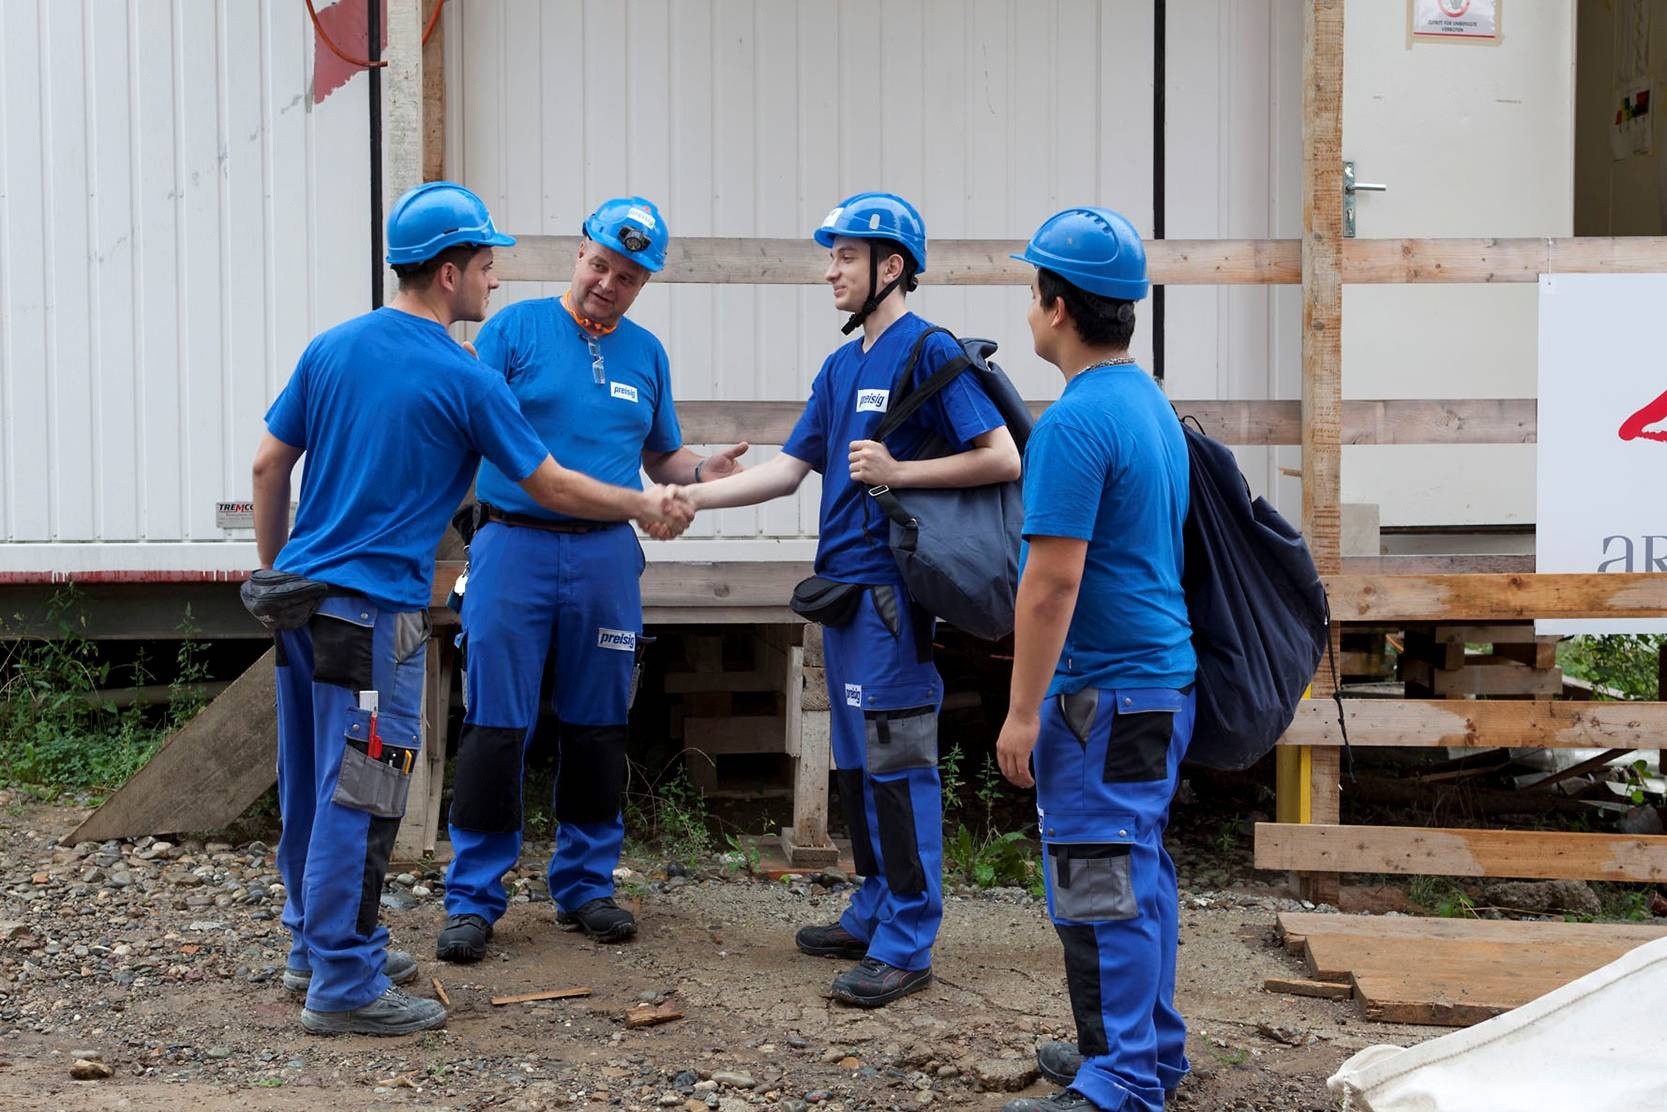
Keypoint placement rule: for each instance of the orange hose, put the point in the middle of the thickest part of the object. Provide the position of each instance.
(433, 18)
(362, 63)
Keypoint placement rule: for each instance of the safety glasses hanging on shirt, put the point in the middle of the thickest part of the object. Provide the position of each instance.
(596, 360)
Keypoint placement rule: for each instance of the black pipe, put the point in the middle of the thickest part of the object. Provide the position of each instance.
(373, 40)
(1160, 19)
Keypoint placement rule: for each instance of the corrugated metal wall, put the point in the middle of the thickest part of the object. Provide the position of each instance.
(177, 218)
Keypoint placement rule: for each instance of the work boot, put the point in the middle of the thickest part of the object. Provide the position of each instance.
(601, 919)
(464, 939)
(1059, 1061)
(873, 983)
(392, 1013)
(399, 966)
(1067, 1101)
(832, 941)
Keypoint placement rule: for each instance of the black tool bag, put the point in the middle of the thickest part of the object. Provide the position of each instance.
(958, 547)
(281, 599)
(826, 601)
(1260, 622)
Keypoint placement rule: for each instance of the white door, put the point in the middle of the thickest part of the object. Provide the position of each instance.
(1472, 140)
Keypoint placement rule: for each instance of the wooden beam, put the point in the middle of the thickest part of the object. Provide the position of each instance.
(1438, 852)
(1499, 260)
(1484, 597)
(1235, 421)
(434, 97)
(402, 111)
(754, 585)
(1473, 724)
(207, 773)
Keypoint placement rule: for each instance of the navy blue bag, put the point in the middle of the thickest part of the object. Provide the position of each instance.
(1260, 622)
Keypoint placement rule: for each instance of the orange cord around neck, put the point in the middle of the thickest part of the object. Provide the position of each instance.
(583, 322)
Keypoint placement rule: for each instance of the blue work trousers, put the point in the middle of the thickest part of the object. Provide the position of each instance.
(341, 809)
(1106, 766)
(562, 606)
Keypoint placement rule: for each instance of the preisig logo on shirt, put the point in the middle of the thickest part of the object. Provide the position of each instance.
(853, 694)
(621, 390)
(872, 401)
(622, 639)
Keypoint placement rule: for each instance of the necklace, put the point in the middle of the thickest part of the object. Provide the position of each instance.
(1120, 361)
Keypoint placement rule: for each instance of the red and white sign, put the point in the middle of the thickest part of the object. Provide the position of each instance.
(1455, 19)
(1602, 505)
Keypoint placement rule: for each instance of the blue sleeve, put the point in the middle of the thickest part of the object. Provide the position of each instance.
(665, 434)
(287, 418)
(501, 433)
(808, 442)
(496, 345)
(961, 412)
(1065, 475)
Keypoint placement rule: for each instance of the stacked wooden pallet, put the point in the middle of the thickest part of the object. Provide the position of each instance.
(1445, 972)
(1450, 661)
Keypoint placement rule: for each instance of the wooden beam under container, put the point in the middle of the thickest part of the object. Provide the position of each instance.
(1486, 597)
(1419, 851)
(1475, 724)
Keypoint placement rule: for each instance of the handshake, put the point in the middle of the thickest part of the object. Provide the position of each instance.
(665, 512)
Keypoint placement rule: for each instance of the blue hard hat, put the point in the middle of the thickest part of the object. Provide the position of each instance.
(1093, 248)
(877, 216)
(437, 215)
(633, 227)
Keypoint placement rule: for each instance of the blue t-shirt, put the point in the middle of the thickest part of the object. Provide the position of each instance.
(847, 402)
(393, 416)
(1107, 463)
(600, 429)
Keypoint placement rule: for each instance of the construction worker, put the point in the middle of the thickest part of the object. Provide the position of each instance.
(555, 592)
(884, 690)
(1103, 666)
(393, 416)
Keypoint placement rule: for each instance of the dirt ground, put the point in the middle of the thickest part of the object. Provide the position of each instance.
(164, 963)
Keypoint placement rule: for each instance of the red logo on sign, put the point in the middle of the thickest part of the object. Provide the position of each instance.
(1638, 426)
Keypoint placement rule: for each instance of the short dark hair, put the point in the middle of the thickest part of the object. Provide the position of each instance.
(1100, 321)
(884, 248)
(419, 276)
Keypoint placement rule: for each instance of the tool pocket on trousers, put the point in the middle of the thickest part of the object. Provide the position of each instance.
(1090, 883)
(376, 785)
(900, 740)
(1138, 749)
(343, 645)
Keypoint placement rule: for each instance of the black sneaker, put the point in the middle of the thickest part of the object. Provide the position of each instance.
(400, 968)
(832, 941)
(392, 1013)
(464, 939)
(1059, 1061)
(1067, 1101)
(601, 919)
(873, 983)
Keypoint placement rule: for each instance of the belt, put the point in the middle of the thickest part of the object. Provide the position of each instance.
(526, 521)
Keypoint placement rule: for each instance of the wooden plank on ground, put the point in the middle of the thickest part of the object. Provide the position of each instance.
(530, 997)
(1323, 990)
(1467, 723)
(1487, 598)
(1305, 923)
(207, 773)
(1454, 852)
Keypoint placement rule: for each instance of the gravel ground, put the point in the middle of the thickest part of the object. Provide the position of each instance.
(153, 968)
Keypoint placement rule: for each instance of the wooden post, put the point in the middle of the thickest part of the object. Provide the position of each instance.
(434, 97)
(419, 833)
(1322, 352)
(402, 112)
(806, 843)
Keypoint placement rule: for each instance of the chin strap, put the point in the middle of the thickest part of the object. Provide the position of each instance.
(874, 299)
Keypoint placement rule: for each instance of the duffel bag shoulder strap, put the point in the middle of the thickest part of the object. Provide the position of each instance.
(907, 398)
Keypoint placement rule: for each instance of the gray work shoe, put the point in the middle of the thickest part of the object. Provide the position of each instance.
(1059, 1061)
(601, 919)
(832, 941)
(392, 1013)
(463, 939)
(1068, 1101)
(400, 967)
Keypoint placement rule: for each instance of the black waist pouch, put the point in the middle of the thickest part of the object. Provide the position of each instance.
(825, 601)
(281, 599)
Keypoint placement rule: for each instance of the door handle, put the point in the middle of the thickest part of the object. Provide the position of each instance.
(1350, 187)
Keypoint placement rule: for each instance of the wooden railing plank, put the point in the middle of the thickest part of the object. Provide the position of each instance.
(1174, 262)
(1469, 723)
(1454, 852)
(1494, 597)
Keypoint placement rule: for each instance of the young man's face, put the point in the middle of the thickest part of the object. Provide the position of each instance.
(1041, 323)
(473, 286)
(605, 283)
(847, 272)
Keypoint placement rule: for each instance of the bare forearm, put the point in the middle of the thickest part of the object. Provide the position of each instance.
(565, 491)
(674, 467)
(974, 467)
(780, 477)
(1042, 618)
(271, 515)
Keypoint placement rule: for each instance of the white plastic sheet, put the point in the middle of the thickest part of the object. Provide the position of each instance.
(1598, 1044)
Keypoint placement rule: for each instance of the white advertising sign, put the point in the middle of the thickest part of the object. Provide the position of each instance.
(1602, 502)
(1455, 19)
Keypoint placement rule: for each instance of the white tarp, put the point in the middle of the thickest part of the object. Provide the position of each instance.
(1595, 1045)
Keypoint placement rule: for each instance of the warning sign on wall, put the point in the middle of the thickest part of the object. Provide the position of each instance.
(1455, 20)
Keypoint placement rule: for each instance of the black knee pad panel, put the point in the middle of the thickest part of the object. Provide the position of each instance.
(895, 809)
(379, 846)
(591, 775)
(856, 822)
(1082, 981)
(486, 785)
